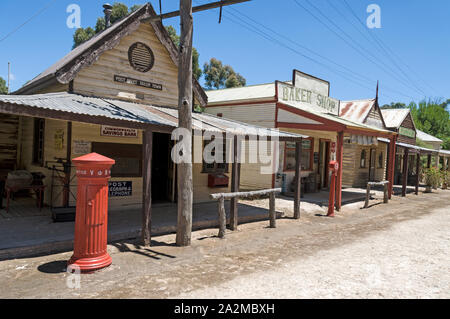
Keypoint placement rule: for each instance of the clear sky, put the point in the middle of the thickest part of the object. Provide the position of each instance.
(409, 54)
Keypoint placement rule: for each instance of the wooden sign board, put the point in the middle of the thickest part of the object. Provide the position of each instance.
(307, 93)
(118, 131)
(131, 81)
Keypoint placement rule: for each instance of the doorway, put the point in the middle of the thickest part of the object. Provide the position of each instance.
(162, 169)
(324, 159)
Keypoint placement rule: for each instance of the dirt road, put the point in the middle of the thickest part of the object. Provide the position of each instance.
(398, 250)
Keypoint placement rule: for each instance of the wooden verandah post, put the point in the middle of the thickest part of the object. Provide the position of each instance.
(417, 173)
(297, 178)
(340, 160)
(405, 172)
(391, 164)
(147, 187)
(235, 180)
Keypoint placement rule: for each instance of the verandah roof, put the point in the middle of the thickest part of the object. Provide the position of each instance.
(75, 107)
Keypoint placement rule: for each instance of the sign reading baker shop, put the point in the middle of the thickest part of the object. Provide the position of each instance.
(308, 92)
(118, 131)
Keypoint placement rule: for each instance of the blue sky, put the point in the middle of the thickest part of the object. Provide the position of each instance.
(414, 63)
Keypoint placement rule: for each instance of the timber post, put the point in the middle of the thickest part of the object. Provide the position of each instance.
(366, 203)
(385, 193)
(147, 188)
(185, 187)
(340, 160)
(417, 173)
(405, 172)
(235, 174)
(391, 164)
(297, 178)
(272, 213)
(222, 217)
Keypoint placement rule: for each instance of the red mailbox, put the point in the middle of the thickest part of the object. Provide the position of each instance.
(334, 167)
(91, 220)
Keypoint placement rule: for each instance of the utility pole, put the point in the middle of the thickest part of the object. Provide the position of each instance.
(185, 104)
(9, 74)
(185, 187)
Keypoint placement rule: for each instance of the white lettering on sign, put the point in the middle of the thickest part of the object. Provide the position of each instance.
(307, 99)
(118, 131)
(91, 172)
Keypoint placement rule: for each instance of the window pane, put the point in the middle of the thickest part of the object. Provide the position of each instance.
(306, 160)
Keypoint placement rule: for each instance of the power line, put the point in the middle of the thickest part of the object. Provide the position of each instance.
(27, 21)
(363, 54)
(365, 78)
(271, 39)
(378, 42)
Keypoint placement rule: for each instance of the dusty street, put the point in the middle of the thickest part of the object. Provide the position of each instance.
(399, 250)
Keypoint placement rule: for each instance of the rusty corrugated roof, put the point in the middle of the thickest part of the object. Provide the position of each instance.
(357, 110)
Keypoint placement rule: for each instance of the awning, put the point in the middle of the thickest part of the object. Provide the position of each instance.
(413, 148)
(103, 111)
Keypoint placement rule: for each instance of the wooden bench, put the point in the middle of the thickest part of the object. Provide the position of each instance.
(221, 205)
(385, 185)
(38, 190)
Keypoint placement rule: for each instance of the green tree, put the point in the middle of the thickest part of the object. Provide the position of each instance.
(119, 11)
(196, 71)
(221, 76)
(3, 87)
(433, 118)
(394, 106)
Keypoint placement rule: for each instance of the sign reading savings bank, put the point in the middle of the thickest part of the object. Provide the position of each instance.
(308, 92)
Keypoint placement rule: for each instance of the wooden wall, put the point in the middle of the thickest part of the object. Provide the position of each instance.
(98, 79)
(408, 123)
(355, 176)
(9, 136)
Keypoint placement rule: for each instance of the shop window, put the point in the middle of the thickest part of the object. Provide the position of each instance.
(307, 155)
(38, 141)
(363, 159)
(214, 167)
(128, 158)
(380, 160)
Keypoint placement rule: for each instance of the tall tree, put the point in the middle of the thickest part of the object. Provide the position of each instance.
(3, 87)
(221, 76)
(433, 118)
(393, 105)
(119, 11)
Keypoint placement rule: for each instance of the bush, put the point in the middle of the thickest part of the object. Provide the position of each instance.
(432, 177)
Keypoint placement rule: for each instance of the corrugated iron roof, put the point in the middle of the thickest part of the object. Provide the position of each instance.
(427, 137)
(356, 110)
(261, 91)
(393, 118)
(134, 112)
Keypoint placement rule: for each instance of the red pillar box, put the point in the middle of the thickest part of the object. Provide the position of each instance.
(91, 221)
(334, 168)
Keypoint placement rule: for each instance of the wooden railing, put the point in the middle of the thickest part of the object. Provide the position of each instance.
(220, 197)
(386, 195)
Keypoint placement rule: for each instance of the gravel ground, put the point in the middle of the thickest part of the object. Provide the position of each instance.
(395, 250)
(410, 260)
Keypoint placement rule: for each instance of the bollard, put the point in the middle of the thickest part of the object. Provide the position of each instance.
(91, 220)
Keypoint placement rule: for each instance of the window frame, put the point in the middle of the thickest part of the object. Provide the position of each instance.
(215, 169)
(363, 151)
(311, 155)
(38, 140)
